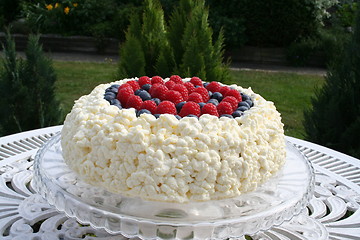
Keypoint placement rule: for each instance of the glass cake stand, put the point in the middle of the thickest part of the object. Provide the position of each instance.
(272, 203)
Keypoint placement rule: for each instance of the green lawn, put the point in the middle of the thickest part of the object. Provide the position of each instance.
(291, 93)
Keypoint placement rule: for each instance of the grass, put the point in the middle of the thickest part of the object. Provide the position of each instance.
(291, 93)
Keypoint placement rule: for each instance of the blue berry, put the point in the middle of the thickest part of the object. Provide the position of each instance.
(201, 104)
(237, 114)
(113, 88)
(115, 102)
(227, 115)
(144, 95)
(249, 102)
(218, 96)
(242, 108)
(157, 115)
(214, 101)
(245, 104)
(142, 111)
(177, 117)
(205, 84)
(191, 115)
(244, 97)
(179, 106)
(109, 96)
(156, 100)
(146, 87)
(137, 92)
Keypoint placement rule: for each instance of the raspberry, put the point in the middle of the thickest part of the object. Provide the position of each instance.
(170, 84)
(125, 85)
(134, 84)
(183, 90)
(213, 87)
(195, 97)
(203, 92)
(157, 79)
(234, 93)
(166, 107)
(134, 102)
(190, 108)
(144, 80)
(232, 100)
(173, 96)
(149, 105)
(176, 79)
(124, 94)
(196, 81)
(158, 91)
(209, 108)
(223, 90)
(224, 108)
(190, 87)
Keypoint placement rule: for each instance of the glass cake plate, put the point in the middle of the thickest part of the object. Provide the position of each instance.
(272, 203)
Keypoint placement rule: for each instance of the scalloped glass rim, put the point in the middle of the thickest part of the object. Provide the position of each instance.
(275, 201)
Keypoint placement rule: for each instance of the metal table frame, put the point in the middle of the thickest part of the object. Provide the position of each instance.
(333, 213)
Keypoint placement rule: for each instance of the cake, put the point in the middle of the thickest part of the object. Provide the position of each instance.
(173, 139)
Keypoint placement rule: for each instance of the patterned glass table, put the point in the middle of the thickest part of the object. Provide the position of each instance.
(333, 212)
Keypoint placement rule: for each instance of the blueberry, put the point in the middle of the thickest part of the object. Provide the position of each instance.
(137, 92)
(201, 104)
(242, 108)
(227, 115)
(146, 87)
(109, 96)
(237, 114)
(156, 100)
(191, 115)
(144, 95)
(245, 104)
(250, 102)
(205, 84)
(218, 96)
(210, 94)
(142, 111)
(179, 106)
(115, 102)
(113, 88)
(177, 117)
(118, 105)
(214, 101)
(245, 97)
(157, 115)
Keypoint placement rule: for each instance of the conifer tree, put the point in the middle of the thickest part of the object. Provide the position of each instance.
(334, 120)
(27, 89)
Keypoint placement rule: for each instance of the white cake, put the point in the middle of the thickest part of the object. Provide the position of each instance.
(170, 159)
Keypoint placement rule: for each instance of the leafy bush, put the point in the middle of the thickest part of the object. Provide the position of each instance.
(27, 89)
(334, 120)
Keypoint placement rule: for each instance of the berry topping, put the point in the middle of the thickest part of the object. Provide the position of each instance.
(170, 84)
(126, 85)
(218, 96)
(179, 106)
(203, 92)
(149, 105)
(176, 79)
(196, 81)
(223, 90)
(190, 87)
(157, 79)
(234, 93)
(143, 94)
(195, 97)
(173, 96)
(142, 111)
(214, 101)
(144, 80)
(156, 100)
(232, 100)
(166, 107)
(124, 94)
(213, 87)
(158, 91)
(134, 84)
(209, 109)
(190, 108)
(224, 108)
(183, 90)
(146, 87)
(134, 102)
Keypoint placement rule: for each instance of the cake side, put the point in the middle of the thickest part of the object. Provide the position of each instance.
(166, 159)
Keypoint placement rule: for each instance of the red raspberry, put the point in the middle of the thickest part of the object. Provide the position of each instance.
(190, 108)
(223, 90)
(149, 105)
(224, 108)
(190, 87)
(234, 93)
(173, 96)
(144, 80)
(183, 90)
(166, 107)
(170, 84)
(213, 87)
(232, 100)
(203, 92)
(134, 102)
(177, 79)
(157, 79)
(196, 81)
(134, 84)
(124, 94)
(195, 97)
(158, 91)
(209, 108)
(125, 85)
